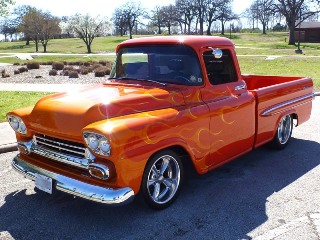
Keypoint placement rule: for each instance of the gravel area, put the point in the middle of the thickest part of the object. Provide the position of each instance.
(41, 75)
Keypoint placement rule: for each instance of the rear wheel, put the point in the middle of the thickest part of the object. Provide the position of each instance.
(283, 134)
(162, 179)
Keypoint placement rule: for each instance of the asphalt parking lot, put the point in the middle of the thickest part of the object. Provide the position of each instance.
(265, 194)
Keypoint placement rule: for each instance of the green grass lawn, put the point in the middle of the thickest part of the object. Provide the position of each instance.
(13, 100)
(286, 66)
(67, 45)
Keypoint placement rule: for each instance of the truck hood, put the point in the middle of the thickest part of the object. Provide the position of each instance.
(68, 113)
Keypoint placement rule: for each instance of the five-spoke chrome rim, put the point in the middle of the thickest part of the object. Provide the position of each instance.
(284, 129)
(163, 179)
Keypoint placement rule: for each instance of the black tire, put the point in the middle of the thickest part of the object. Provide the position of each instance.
(162, 179)
(283, 133)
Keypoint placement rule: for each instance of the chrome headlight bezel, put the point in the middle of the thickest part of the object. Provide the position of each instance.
(17, 124)
(97, 143)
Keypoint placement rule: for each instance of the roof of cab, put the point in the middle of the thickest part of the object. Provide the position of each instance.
(195, 42)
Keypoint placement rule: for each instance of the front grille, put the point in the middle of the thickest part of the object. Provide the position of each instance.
(60, 146)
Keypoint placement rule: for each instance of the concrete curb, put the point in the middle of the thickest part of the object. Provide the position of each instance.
(11, 147)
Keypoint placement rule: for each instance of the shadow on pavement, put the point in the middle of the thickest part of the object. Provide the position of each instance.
(226, 203)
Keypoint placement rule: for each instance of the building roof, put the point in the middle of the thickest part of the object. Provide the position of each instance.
(309, 25)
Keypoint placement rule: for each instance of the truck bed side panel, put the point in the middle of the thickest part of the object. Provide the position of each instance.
(293, 96)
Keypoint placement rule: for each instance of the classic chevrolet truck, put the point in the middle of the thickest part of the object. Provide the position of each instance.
(169, 101)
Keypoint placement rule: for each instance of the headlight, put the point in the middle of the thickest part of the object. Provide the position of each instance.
(97, 143)
(17, 124)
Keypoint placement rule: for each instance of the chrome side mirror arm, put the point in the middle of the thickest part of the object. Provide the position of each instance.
(217, 53)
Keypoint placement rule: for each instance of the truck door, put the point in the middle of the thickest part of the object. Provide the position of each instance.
(232, 108)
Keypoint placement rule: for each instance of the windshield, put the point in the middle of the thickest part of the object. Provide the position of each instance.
(176, 64)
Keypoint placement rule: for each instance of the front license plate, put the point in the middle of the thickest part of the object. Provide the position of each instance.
(44, 183)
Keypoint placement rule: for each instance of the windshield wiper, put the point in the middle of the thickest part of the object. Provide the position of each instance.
(139, 79)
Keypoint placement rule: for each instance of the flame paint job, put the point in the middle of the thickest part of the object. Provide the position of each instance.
(212, 123)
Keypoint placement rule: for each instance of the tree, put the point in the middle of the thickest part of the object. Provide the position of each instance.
(187, 13)
(264, 11)
(4, 7)
(130, 13)
(49, 29)
(200, 7)
(88, 28)
(295, 12)
(40, 27)
(19, 12)
(212, 11)
(8, 27)
(225, 14)
(169, 16)
(157, 18)
(119, 21)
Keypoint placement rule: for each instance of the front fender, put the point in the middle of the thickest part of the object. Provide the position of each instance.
(136, 137)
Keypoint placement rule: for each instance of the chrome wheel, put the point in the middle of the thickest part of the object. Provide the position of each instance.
(284, 129)
(162, 179)
(283, 133)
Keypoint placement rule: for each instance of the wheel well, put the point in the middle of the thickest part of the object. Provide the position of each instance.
(185, 159)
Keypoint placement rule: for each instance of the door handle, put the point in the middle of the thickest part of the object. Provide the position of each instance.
(240, 87)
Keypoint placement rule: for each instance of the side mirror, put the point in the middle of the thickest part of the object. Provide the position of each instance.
(217, 53)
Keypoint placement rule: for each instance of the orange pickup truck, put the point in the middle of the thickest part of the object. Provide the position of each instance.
(169, 101)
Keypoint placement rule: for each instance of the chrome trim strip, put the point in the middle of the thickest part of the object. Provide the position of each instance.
(59, 143)
(240, 87)
(63, 158)
(285, 104)
(61, 148)
(76, 187)
(74, 161)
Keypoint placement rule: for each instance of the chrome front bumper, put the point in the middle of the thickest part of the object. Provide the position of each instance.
(75, 187)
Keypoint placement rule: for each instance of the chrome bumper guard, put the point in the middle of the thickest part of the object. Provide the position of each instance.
(75, 187)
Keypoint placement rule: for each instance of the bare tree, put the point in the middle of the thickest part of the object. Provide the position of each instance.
(212, 12)
(251, 14)
(225, 14)
(264, 11)
(119, 21)
(187, 12)
(200, 7)
(50, 28)
(295, 12)
(128, 15)
(169, 17)
(40, 27)
(157, 18)
(87, 28)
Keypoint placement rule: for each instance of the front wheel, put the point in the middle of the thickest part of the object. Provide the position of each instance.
(283, 134)
(162, 179)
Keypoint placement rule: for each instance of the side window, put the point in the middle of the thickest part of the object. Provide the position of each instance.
(220, 70)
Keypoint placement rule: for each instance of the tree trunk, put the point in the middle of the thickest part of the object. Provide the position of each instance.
(27, 41)
(37, 46)
(291, 35)
(201, 26)
(44, 48)
(209, 29)
(159, 29)
(222, 28)
(88, 47)
(264, 28)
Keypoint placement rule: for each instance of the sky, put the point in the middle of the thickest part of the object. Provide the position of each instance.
(103, 8)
